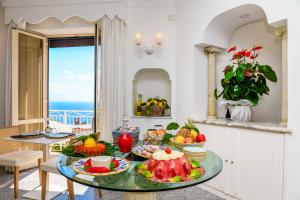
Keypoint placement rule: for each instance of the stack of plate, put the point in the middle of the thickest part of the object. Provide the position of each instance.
(195, 153)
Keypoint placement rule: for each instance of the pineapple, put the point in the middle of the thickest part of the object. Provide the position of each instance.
(186, 130)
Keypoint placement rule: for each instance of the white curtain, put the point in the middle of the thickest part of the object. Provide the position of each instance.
(8, 76)
(112, 89)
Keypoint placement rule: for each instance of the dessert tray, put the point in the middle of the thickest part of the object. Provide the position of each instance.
(79, 167)
(170, 167)
(146, 151)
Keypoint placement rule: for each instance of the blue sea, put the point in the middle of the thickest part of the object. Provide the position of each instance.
(81, 112)
(59, 105)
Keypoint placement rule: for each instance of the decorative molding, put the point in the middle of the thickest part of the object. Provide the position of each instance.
(30, 3)
(212, 50)
(281, 32)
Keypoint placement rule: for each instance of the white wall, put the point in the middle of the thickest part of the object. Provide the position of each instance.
(192, 17)
(246, 36)
(149, 18)
(3, 32)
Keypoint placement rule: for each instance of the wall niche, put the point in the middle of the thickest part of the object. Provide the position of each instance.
(151, 82)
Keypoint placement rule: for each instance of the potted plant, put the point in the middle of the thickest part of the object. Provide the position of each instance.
(244, 82)
(154, 107)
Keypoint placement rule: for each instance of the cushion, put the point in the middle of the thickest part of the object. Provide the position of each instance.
(50, 166)
(19, 158)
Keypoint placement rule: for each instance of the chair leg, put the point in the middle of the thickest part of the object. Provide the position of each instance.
(16, 182)
(43, 183)
(100, 193)
(71, 189)
(40, 171)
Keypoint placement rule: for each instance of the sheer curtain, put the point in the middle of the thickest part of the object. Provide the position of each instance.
(8, 76)
(112, 87)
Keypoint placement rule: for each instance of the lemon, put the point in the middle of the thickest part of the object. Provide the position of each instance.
(179, 139)
(90, 142)
(194, 133)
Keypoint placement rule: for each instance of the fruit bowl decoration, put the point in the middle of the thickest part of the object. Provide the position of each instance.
(86, 146)
(100, 165)
(187, 135)
(170, 166)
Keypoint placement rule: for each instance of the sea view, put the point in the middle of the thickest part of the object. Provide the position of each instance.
(59, 105)
(71, 112)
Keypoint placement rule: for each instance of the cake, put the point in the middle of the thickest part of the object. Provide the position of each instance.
(170, 166)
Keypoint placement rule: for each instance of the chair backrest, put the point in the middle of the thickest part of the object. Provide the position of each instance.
(8, 146)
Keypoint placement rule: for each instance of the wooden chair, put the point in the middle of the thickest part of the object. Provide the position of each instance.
(16, 159)
(50, 166)
(8, 146)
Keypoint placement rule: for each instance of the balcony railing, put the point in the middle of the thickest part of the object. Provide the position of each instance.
(72, 117)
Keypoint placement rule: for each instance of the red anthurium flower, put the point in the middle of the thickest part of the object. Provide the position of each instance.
(248, 53)
(241, 53)
(253, 56)
(231, 49)
(256, 48)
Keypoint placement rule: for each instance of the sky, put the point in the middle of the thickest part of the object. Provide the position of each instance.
(71, 74)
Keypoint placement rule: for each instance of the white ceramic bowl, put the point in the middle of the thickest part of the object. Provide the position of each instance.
(182, 145)
(195, 153)
(101, 161)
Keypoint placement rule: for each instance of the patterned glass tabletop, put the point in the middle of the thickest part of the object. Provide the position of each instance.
(130, 181)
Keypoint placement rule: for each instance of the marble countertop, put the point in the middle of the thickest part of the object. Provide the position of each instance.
(270, 127)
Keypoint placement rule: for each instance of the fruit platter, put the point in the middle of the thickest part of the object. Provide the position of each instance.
(187, 135)
(146, 151)
(169, 166)
(100, 165)
(87, 146)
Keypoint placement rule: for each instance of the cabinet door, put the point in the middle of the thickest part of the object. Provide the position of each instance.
(218, 141)
(257, 165)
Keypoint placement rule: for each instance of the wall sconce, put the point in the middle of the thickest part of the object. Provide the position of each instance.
(146, 49)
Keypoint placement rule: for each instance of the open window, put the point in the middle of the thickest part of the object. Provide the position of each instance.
(29, 80)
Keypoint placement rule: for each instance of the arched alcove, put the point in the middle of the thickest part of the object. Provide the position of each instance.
(151, 82)
(245, 26)
(221, 27)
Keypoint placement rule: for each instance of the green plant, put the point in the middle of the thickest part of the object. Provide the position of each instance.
(245, 78)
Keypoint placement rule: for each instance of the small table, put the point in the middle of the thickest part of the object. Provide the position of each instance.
(45, 142)
(135, 186)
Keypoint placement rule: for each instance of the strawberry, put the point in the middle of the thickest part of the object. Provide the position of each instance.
(115, 163)
(87, 164)
(168, 150)
(98, 170)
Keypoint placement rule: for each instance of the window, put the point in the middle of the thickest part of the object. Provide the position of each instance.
(72, 84)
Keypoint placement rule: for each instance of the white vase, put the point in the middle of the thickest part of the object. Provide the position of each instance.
(240, 113)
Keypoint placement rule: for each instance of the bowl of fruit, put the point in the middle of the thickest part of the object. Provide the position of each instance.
(187, 135)
(88, 146)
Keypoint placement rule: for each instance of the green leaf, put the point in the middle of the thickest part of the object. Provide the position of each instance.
(253, 97)
(237, 90)
(268, 72)
(229, 74)
(166, 138)
(240, 73)
(196, 129)
(172, 126)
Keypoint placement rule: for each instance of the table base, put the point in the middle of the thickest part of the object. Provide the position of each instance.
(139, 195)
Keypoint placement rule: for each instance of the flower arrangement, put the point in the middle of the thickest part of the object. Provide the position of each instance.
(154, 107)
(245, 78)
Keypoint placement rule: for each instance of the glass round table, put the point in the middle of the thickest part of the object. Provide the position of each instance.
(135, 186)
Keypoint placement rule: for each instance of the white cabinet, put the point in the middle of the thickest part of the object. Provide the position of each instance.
(253, 162)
